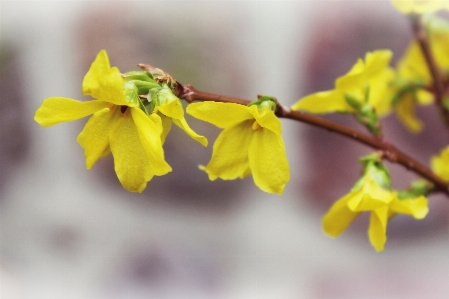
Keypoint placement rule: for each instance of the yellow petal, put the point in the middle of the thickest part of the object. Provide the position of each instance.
(416, 207)
(131, 162)
(230, 153)
(185, 127)
(405, 111)
(172, 109)
(369, 197)
(424, 97)
(413, 64)
(419, 6)
(222, 115)
(323, 102)
(105, 83)
(94, 138)
(381, 94)
(166, 126)
(268, 161)
(339, 216)
(266, 119)
(440, 164)
(377, 231)
(56, 110)
(149, 132)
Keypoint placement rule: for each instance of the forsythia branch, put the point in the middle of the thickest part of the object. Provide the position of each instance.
(390, 152)
(419, 31)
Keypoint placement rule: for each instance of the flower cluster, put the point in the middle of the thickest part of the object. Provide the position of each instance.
(132, 115)
(120, 123)
(373, 193)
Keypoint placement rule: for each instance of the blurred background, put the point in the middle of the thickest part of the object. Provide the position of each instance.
(67, 232)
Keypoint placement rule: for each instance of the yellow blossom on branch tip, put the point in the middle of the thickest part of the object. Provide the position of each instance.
(373, 73)
(251, 143)
(420, 6)
(117, 125)
(383, 204)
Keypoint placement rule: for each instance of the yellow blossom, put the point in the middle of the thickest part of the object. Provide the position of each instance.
(371, 75)
(170, 109)
(250, 143)
(420, 6)
(369, 196)
(440, 164)
(413, 75)
(117, 125)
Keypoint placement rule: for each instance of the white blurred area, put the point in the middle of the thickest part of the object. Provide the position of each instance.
(65, 233)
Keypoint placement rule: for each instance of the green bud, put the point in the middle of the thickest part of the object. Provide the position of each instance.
(165, 95)
(265, 102)
(143, 87)
(138, 75)
(353, 102)
(375, 168)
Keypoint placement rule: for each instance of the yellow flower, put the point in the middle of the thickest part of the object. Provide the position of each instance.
(117, 125)
(371, 75)
(170, 109)
(369, 196)
(440, 164)
(413, 74)
(250, 143)
(420, 6)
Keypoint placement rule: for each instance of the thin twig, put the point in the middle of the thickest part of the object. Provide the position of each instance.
(419, 31)
(390, 152)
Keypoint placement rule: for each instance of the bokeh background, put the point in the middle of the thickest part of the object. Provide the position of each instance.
(66, 232)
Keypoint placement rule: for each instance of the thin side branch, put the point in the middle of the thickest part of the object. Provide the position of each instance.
(419, 31)
(391, 153)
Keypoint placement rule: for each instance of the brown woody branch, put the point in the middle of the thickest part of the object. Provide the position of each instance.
(390, 152)
(419, 31)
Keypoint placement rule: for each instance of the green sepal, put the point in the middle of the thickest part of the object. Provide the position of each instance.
(138, 75)
(143, 87)
(375, 168)
(265, 102)
(165, 95)
(131, 94)
(152, 98)
(417, 188)
(353, 102)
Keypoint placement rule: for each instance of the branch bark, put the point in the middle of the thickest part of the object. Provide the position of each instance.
(390, 152)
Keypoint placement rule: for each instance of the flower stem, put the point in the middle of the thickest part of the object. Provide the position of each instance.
(419, 31)
(390, 152)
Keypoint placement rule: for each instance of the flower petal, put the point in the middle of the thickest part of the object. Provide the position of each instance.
(94, 138)
(405, 111)
(266, 119)
(166, 126)
(377, 231)
(57, 109)
(185, 127)
(323, 102)
(222, 115)
(131, 162)
(416, 207)
(172, 106)
(339, 216)
(440, 164)
(105, 83)
(149, 130)
(268, 161)
(230, 153)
